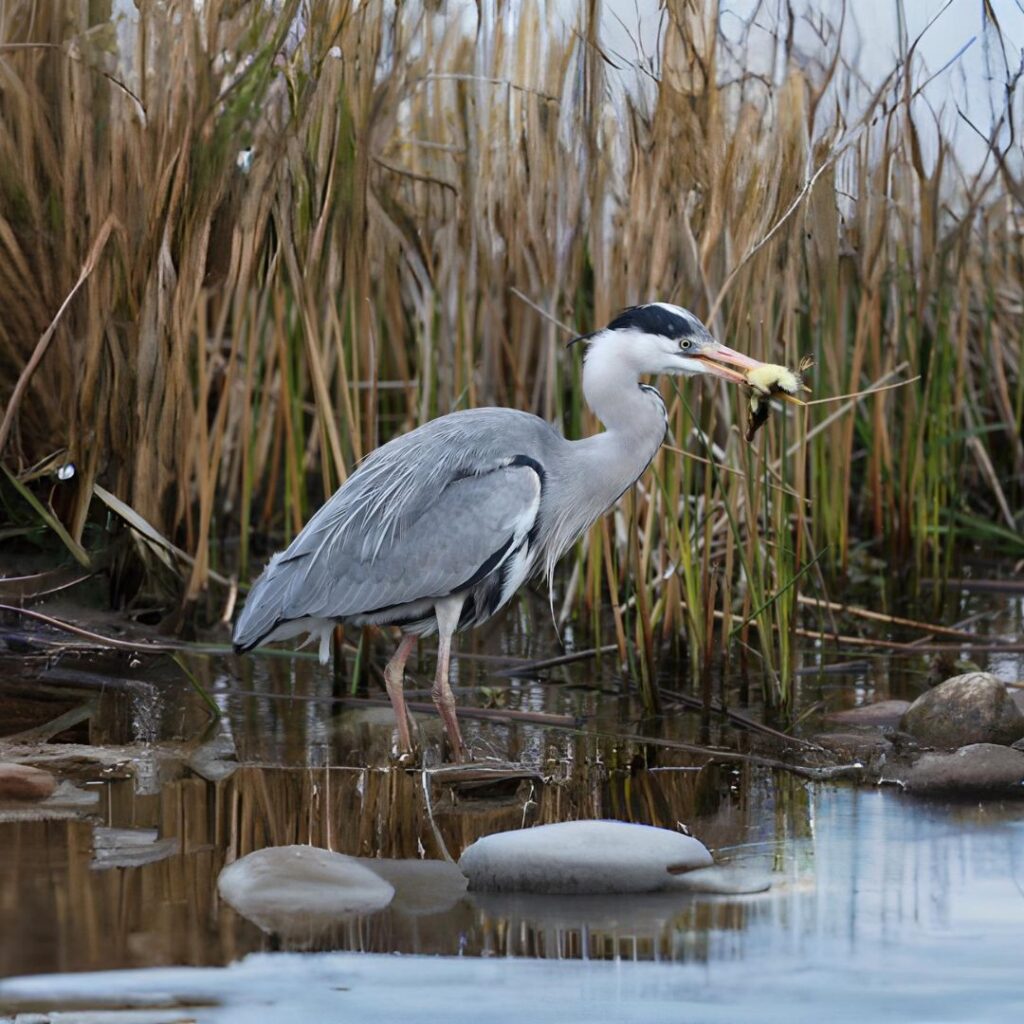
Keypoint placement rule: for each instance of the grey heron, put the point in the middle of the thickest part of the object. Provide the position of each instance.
(438, 528)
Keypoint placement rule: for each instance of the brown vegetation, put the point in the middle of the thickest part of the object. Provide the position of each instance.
(243, 243)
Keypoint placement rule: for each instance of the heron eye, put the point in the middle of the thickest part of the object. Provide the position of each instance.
(684, 344)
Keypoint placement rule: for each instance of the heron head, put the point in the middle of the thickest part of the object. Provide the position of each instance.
(661, 338)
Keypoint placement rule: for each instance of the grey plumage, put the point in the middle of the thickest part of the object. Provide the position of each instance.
(438, 528)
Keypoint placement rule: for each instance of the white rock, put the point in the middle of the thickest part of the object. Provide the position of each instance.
(299, 890)
(581, 857)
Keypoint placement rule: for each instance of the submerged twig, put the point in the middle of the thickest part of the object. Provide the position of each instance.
(736, 717)
(532, 667)
(1012, 647)
(895, 620)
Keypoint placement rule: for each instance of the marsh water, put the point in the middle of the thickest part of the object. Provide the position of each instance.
(120, 868)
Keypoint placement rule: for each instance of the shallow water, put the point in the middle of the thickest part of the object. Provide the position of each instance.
(886, 910)
(865, 882)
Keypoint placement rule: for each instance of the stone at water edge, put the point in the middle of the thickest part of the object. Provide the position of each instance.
(23, 782)
(296, 891)
(581, 857)
(883, 713)
(856, 746)
(972, 708)
(980, 769)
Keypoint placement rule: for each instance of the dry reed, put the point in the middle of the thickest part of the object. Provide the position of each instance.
(242, 243)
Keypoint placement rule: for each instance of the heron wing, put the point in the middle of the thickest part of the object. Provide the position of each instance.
(365, 557)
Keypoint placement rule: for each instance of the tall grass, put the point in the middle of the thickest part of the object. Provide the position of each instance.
(298, 229)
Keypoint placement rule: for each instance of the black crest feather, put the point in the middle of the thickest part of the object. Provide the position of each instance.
(653, 319)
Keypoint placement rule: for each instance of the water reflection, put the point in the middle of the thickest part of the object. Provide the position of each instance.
(862, 876)
(854, 874)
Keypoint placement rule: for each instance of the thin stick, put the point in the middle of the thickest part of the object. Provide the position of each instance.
(730, 469)
(714, 754)
(686, 700)
(97, 638)
(895, 620)
(543, 312)
(771, 600)
(29, 588)
(866, 391)
(47, 336)
(92, 67)
(986, 586)
(913, 648)
(833, 416)
(564, 659)
(755, 249)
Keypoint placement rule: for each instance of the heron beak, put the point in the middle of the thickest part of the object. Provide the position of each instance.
(721, 359)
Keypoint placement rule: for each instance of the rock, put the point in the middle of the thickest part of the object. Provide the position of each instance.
(581, 857)
(421, 886)
(297, 891)
(1017, 696)
(855, 746)
(981, 769)
(972, 708)
(883, 713)
(723, 881)
(23, 782)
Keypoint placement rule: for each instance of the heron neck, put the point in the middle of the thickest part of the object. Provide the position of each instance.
(634, 420)
(595, 471)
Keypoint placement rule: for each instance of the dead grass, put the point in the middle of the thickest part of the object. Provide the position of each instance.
(217, 339)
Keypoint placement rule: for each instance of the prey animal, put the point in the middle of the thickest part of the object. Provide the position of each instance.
(768, 380)
(437, 529)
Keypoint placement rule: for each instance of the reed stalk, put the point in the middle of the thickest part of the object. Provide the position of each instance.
(309, 227)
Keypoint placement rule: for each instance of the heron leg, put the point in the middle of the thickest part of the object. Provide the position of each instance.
(394, 673)
(447, 612)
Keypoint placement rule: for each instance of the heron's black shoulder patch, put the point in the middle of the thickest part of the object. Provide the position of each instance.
(525, 460)
(653, 319)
